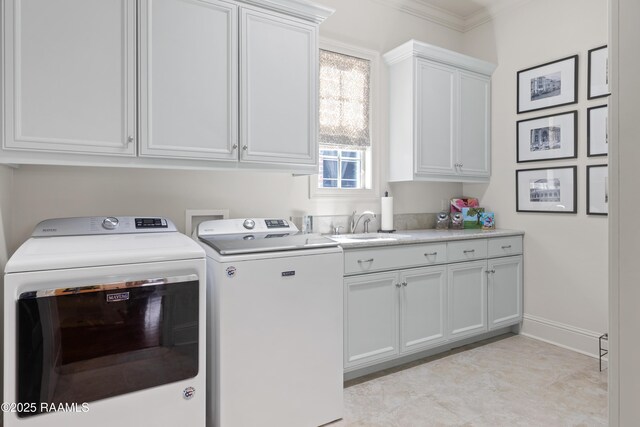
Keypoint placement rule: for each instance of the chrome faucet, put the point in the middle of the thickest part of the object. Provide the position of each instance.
(354, 222)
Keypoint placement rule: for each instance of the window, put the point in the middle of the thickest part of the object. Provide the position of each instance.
(340, 169)
(345, 136)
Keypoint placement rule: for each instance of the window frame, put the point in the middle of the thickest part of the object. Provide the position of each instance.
(370, 159)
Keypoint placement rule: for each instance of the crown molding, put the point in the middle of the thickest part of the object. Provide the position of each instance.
(422, 9)
(427, 12)
(303, 9)
(416, 49)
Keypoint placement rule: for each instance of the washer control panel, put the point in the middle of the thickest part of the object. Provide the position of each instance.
(94, 225)
(276, 223)
(151, 223)
(243, 226)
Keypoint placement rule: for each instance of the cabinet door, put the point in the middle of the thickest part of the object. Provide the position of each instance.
(371, 318)
(69, 76)
(278, 89)
(474, 143)
(434, 118)
(188, 79)
(467, 299)
(505, 291)
(422, 308)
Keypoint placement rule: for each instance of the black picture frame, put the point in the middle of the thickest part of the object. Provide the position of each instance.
(530, 99)
(595, 187)
(568, 119)
(597, 69)
(554, 203)
(597, 131)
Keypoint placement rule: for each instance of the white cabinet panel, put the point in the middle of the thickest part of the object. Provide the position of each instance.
(423, 308)
(369, 260)
(70, 76)
(436, 135)
(505, 291)
(189, 83)
(371, 318)
(278, 89)
(466, 250)
(474, 144)
(505, 246)
(467, 299)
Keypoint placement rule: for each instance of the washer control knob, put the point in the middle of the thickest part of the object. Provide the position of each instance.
(249, 224)
(110, 223)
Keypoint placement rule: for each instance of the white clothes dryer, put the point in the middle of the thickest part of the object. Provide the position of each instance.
(104, 325)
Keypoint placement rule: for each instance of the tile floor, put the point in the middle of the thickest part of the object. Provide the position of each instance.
(507, 381)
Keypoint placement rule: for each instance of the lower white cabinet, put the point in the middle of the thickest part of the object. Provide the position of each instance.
(467, 299)
(423, 305)
(504, 291)
(387, 314)
(476, 288)
(371, 318)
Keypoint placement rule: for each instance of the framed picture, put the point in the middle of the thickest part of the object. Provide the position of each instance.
(597, 190)
(598, 73)
(548, 85)
(597, 131)
(547, 138)
(546, 190)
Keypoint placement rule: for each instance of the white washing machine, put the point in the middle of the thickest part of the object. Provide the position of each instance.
(275, 306)
(104, 325)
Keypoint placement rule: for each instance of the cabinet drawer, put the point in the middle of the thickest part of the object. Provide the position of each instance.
(505, 246)
(391, 258)
(467, 250)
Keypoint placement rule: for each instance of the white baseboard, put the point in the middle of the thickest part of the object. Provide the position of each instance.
(560, 334)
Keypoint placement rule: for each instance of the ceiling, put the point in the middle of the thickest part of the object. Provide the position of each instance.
(461, 15)
(462, 8)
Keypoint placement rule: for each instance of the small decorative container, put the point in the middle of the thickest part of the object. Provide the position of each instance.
(442, 221)
(457, 221)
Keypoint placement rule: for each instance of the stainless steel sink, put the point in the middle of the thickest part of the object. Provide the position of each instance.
(366, 237)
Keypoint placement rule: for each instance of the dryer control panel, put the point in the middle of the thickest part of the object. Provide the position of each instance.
(94, 225)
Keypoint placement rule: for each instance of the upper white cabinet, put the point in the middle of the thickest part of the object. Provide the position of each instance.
(222, 83)
(189, 74)
(69, 76)
(440, 115)
(278, 89)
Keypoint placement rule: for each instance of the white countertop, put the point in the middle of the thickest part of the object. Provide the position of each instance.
(408, 237)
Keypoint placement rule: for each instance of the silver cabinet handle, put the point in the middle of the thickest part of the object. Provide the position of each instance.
(235, 146)
(431, 254)
(245, 148)
(469, 251)
(398, 285)
(490, 271)
(404, 283)
(365, 260)
(506, 247)
(129, 139)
